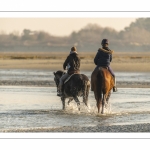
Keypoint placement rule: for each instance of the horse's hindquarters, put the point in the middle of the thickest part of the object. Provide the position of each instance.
(101, 81)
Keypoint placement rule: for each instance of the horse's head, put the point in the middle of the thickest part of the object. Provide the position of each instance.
(57, 75)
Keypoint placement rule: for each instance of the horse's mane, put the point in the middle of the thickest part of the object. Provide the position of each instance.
(60, 72)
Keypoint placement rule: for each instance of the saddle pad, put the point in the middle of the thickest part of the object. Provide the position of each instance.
(69, 78)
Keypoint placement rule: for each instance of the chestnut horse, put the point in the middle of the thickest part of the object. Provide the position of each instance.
(102, 83)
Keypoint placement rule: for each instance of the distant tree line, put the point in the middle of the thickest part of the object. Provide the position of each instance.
(135, 37)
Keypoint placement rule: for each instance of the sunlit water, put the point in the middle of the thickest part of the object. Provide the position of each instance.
(47, 75)
(38, 107)
(32, 107)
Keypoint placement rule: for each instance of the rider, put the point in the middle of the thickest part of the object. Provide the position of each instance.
(72, 64)
(103, 58)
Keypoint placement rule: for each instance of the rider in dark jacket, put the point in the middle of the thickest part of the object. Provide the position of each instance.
(72, 62)
(103, 59)
(72, 65)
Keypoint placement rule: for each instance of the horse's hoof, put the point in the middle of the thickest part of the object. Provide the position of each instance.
(106, 106)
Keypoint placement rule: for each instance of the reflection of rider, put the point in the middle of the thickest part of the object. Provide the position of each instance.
(103, 58)
(72, 63)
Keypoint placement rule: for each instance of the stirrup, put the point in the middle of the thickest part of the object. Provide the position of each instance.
(115, 89)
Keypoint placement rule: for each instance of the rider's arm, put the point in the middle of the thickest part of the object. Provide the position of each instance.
(110, 57)
(96, 58)
(66, 63)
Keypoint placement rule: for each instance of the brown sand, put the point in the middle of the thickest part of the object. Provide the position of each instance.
(124, 62)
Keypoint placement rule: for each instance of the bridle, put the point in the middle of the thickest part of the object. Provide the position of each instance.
(57, 79)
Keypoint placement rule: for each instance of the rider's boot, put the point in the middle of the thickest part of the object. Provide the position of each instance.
(115, 88)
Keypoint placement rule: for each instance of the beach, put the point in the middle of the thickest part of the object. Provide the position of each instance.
(122, 62)
(23, 63)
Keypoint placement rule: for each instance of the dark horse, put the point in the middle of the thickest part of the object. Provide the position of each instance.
(77, 85)
(102, 83)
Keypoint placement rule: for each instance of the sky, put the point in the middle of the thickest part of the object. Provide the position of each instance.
(60, 26)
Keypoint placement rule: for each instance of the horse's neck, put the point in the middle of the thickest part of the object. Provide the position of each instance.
(62, 74)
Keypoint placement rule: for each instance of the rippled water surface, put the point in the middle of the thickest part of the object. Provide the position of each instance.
(47, 75)
(31, 107)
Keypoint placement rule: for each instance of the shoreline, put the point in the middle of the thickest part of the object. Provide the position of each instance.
(52, 61)
(52, 84)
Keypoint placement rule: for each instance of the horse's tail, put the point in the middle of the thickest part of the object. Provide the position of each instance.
(86, 88)
(99, 87)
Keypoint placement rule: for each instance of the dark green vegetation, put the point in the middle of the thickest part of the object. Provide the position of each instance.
(134, 38)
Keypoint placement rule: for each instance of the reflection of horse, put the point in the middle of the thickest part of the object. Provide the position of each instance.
(102, 83)
(77, 85)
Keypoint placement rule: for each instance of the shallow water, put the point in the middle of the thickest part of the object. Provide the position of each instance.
(31, 107)
(47, 75)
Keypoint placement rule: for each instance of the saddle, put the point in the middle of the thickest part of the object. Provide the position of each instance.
(69, 78)
(107, 69)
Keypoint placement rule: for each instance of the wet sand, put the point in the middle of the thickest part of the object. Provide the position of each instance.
(86, 65)
(52, 84)
(134, 128)
(123, 62)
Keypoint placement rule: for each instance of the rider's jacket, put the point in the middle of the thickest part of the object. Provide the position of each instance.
(73, 61)
(103, 57)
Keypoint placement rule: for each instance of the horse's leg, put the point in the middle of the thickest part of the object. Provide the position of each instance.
(85, 99)
(86, 94)
(77, 101)
(70, 99)
(98, 100)
(63, 102)
(108, 96)
(103, 102)
(98, 105)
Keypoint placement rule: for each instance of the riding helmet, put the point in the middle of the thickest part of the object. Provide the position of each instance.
(104, 41)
